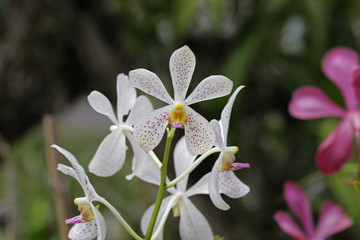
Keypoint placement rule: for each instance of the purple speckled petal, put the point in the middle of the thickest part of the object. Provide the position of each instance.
(299, 203)
(226, 113)
(338, 65)
(311, 103)
(142, 106)
(193, 225)
(110, 156)
(182, 161)
(76, 219)
(238, 166)
(143, 166)
(149, 129)
(210, 88)
(150, 83)
(289, 226)
(332, 220)
(182, 65)
(230, 185)
(101, 104)
(214, 190)
(199, 133)
(83, 231)
(200, 187)
(126, 96)
(219, 142)
(100, 223)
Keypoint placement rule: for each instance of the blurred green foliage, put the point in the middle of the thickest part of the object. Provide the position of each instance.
(51, 52)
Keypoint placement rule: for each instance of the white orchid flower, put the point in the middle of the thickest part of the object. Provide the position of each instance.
(90, 223)
(223, 180)
(193, 225)
(199, 134)
(110, 156)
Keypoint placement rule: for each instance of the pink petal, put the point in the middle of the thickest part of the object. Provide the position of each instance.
(336, 149)
(150, 83)
(338, 65)
(210, 88)
(356, 83)
(299, 203)
(199, 134)
(182, 65)
(332, 220)
(76, 219)
(149, 130)
(311, 103)
(288, 225)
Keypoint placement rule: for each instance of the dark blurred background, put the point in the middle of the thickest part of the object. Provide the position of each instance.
(54, 53)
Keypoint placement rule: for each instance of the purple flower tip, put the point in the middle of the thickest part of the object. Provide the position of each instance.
(177, 125)
(238, 166)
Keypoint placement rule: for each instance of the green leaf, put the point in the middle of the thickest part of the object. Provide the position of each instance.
(356, 185)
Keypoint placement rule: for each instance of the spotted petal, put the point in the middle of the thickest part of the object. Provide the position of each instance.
(219, 142)
(193, 225)
(332, 220)
(182, 161)
(149, 130)
(143, 166)
(199, 133)
(338, 65)
(336, 149)
(100, 223)
(126, 95)
(210, 88)
(150, 83)
(226, 113)
(214, 190)
(110, 156)
(299, 203)
(83, 231)
(142, 106)
(101, 104)
(288, 225)
(182, 65)
(312, 103)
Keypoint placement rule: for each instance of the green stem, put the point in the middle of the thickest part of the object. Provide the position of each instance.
(119, 218)
(162, 187)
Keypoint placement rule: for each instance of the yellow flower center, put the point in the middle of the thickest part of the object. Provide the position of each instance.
(228, 158)
(84, 208)
(176, 210)
(178, 115)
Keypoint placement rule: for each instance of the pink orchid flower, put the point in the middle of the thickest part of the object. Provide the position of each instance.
(310, 102)
(332, 219)
(150, 128)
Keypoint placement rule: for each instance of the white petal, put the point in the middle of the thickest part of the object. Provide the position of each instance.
(149, 129)
(110, 156)
(226, 113)
(200, 187)
(101, 104)
(143, 166)
(214, 190)
(83, 231)
(209, 88)
(199, 134)
(182, 161)
(193, 225)
(126, 95)
(182, 65)
(100, 223)
(142, 106)
(150, 83)
(230, 185)
(67, 170)
(79, 170)
(145, 219)
(219, 142)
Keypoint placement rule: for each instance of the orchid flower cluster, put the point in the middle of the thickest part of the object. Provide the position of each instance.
(144, 128)
(341, 66)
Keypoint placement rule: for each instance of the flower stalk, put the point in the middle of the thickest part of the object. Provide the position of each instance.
(162, 188)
